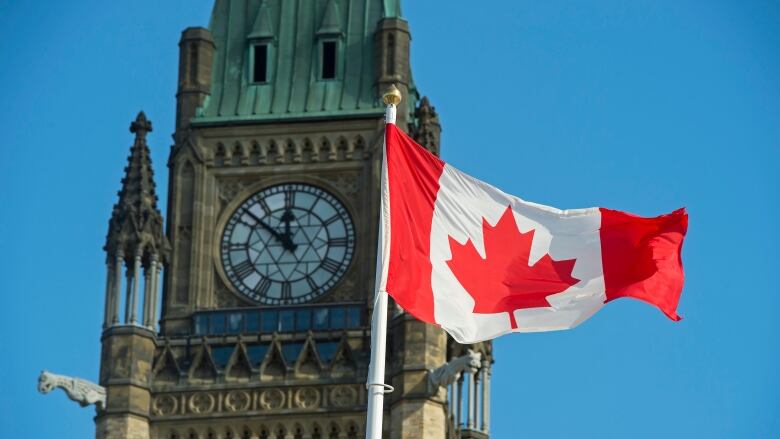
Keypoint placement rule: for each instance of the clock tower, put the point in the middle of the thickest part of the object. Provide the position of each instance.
(267, 255)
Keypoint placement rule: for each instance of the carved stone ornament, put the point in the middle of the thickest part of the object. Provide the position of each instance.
(343, 396)
(223, 298)
(345, 291)
(136, 225)
(347, 184)
(449, 372)
(165, 405)
(202, 403)
(237, 401)
(307, 398)
(228, 189)
(272, 399)
(81, 391)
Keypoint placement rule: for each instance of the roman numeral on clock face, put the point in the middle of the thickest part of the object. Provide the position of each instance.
(289, 198)
(243, 269)
(264, 206)
(330, 265)
(331, 220)
(263, 286)
(234, 246)
(337, 242)
(286, 291)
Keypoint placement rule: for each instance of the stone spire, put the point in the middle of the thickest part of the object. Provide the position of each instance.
(428, 132)
(136, 225)
(136, 251)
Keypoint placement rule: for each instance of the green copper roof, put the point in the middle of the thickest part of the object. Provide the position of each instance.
(392, 8)
(294, 30)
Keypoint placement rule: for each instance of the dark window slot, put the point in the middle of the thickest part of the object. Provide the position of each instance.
(260, 68)
(328, 59)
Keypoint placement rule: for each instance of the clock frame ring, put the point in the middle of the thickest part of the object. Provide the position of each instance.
(252, 190)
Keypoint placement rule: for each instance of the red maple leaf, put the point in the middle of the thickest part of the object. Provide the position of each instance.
(504, 281)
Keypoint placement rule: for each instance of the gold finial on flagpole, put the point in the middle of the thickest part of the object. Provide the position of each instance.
(392, 96)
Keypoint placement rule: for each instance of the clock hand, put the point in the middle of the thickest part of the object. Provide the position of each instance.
(287, 235)
(270, 229)
(287, 217)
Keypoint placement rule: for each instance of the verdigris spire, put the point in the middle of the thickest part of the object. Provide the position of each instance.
(331, 21)
(136, 225)
(263, 27)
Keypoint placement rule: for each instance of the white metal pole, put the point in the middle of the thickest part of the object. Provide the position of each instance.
(376, 372)
(376, 377)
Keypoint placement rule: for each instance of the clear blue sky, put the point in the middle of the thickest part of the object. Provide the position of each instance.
(643, 106)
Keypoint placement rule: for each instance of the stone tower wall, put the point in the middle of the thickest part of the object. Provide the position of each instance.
(182, 381)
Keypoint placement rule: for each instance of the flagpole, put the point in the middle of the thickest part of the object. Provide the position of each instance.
(376, 372)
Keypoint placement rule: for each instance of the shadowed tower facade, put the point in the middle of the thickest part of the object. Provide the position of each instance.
(260, 327)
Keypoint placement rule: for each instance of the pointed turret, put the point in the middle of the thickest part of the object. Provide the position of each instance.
(136, 248)
(135, 236)
(136, 224)
(196, 54)
(391, 63)
(428, 130)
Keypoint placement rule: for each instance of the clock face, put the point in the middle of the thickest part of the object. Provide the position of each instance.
(287, 244)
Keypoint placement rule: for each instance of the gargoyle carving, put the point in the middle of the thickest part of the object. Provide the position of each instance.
(449, 372)
(81, 391)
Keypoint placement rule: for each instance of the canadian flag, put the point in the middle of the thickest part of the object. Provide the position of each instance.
(480, 263)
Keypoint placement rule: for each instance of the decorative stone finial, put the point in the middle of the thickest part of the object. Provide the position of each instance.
(392, 96)
(428, 130)
(141, 126)
(425, 112)
(136, 225)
